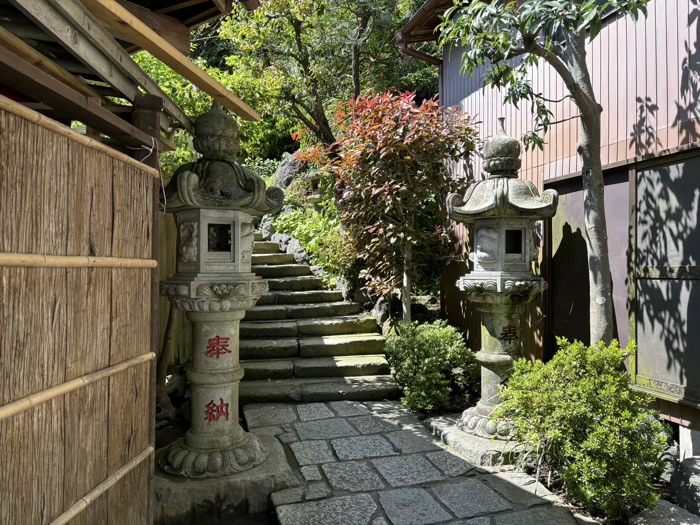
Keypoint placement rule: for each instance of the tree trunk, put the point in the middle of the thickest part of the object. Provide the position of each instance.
(406, 286)
(362, 22)
(600, 285)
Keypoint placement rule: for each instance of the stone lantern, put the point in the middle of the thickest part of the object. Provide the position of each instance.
(215, 199)
(502, 209)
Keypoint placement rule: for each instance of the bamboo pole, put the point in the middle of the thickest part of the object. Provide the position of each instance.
(32, 400)
(84, 502)
(15, 108)
(29, 260)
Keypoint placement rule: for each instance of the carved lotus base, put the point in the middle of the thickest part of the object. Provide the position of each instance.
(188, 462)
(473, 422)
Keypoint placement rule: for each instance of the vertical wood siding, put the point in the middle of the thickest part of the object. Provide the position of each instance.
(62, 197)
(645, 76)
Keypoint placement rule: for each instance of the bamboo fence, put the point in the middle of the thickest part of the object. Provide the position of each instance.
(76, 310)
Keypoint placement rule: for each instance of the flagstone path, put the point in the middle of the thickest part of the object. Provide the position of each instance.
(374, 463)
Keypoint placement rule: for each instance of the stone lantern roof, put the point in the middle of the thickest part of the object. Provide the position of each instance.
(502, 194)
(217, 180)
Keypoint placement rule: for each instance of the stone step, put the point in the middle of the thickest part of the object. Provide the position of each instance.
(360, 388)
(301, 283)
(327, 346)
(257, 236)
(306, 296)
(351, 324)
(346, 344)
(266, 247)
(272, 258)
(267, 271)
(300, 311)
(336, 366)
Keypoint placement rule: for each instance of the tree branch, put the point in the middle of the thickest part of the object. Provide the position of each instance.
(583, 101)
(540, 128)
(553, 101)
(307, 121)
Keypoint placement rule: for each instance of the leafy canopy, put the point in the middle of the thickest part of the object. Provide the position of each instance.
(310, 46)
(509, 37)
(392, 178)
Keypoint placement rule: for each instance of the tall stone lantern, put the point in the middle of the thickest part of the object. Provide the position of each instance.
(502, 209)
(215, 199)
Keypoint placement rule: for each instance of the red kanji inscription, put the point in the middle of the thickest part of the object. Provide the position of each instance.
(217, 346)
(212, 411)
(509, 333)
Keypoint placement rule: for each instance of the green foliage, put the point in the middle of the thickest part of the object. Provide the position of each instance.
(392, 180)
(297, 192)
(511, 36)
(588, 426)
(263, 168)
(433, 366)
(320, 235)
(322, 51)
(268, 138)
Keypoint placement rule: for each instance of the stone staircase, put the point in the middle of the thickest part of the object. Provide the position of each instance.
(302, 342)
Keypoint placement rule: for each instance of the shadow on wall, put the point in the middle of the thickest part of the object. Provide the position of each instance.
(570, 310)
(688, 108)
(668, 273)
(667, 247)
(570, 287)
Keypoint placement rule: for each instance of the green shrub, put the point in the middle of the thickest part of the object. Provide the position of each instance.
(591, 430)
(264, 168)
(297, 192)
(433, 366)
(320, 235)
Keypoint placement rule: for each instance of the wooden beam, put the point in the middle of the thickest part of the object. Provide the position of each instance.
(180, 5)
(175, 32)
(31, 55)
(43, 87)
(203, 17)
(122, 20)
(28, 31)
(100, 37)
(88, 41)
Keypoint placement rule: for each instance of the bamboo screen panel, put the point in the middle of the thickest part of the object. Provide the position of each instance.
(76, 361)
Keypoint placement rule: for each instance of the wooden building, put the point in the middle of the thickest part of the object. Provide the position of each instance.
(647, 78)
(79, 235)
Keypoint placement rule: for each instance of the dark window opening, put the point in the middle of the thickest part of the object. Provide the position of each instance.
(514, 241)
(219, 238)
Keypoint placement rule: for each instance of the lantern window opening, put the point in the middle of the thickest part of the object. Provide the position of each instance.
(514, 242)
(219, 237)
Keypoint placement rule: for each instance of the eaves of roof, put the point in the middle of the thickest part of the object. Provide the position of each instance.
(421, 28)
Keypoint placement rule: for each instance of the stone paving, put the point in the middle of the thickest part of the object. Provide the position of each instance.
(374, 463)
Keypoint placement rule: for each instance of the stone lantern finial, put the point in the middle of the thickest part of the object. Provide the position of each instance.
(216, 135)
(502, 154)
(217, 181)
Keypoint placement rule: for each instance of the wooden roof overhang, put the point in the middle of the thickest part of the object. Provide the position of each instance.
(421, 28)
(70, 61)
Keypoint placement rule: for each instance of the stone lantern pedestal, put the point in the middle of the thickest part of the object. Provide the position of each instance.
(217, 470)
(502, 209)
